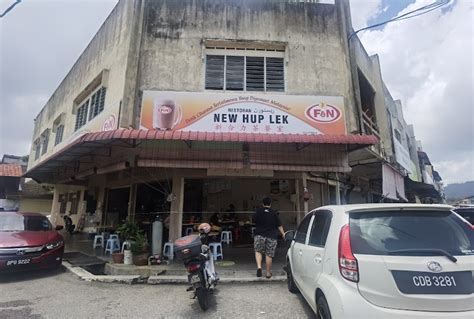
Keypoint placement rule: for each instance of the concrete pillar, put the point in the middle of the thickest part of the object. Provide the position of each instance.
(305, 202)
(298, 201)
(131, 201)
(55, 218)
(100, 209)
(176, 213)
(338, 190)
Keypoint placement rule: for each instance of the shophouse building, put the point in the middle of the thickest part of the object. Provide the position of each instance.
(188, 107)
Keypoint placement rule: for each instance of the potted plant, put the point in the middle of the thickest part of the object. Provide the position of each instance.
(117, 258)
(140, 249)
(128, 232)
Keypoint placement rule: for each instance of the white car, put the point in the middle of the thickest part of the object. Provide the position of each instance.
(383, 261)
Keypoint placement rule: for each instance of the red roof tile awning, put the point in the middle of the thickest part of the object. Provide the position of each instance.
(131, 134)
(90, 143)
(11, 170)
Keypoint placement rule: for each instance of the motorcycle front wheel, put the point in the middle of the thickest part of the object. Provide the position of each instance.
(202, 295)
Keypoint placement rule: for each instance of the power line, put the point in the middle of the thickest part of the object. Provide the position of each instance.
(9, 8)
(420, 11)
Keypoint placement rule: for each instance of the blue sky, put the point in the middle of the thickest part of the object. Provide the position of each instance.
(390, 9)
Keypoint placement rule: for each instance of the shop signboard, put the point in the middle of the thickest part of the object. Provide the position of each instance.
(242, 113)
(403, 156)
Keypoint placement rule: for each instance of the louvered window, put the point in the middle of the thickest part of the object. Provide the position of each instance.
(245, 73)
(275, 75)
(81, 116)
(59, 134)
(214, 72)
(234, 79)
(255, 73)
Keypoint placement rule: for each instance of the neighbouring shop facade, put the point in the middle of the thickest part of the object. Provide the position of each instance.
(188, 107)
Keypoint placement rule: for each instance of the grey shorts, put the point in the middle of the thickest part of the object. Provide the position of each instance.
(265, 245)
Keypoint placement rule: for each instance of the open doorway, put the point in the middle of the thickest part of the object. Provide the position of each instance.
(117, 206)
(367, 99)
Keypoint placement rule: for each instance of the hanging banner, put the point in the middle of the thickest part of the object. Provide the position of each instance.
(242, 113)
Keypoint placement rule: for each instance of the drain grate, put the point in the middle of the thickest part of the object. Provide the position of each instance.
(95, 269)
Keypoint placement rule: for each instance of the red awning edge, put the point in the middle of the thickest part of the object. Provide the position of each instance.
(97, 139)
(136, 134)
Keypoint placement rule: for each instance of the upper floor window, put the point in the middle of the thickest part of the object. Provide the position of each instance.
(37, 148)
(81, 115)
(245, 70)
(90, 107)
(398, 136)
(59, 134)
(45, 141)
(97, 103)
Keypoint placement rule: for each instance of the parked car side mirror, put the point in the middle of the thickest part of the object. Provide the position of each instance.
(59, 227)
(289, 235)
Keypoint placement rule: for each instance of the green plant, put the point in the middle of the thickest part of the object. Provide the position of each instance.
(139, 243)
(128, 230)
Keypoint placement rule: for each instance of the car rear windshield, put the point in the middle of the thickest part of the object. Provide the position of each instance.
(14, 222)
(396, 232)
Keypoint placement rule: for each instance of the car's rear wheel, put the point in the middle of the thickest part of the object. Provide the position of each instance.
(322, 308)
(290, 281)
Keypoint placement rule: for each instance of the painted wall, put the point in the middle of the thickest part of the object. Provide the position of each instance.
(42, 206)
(56, 217)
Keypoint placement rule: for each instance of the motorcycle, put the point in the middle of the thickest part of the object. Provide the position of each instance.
(199, 263)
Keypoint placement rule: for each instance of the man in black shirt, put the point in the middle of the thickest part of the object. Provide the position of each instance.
(267, 228)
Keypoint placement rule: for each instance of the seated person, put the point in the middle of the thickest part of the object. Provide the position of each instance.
(215, 219)
(231, 212)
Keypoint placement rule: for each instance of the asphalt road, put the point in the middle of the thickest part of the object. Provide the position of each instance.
(60, 294)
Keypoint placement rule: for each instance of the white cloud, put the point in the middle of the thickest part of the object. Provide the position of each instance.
(363, 10)
(39, 42)
(427, 62)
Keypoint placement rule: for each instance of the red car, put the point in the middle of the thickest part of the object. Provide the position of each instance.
(28, 241)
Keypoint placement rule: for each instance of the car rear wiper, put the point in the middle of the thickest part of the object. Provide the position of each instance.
(425, 250)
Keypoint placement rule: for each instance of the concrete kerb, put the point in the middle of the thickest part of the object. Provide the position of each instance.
(87, 276)
(236, 277)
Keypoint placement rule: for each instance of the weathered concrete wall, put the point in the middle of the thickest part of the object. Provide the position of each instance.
(369, 66)
(172, 49)
(108, 50)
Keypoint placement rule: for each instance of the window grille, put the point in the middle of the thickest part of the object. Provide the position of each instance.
(81, 116)
(97, 103)
(45, 142)
(59, 134)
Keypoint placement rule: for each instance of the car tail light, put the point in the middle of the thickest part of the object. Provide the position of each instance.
(193, 267)
(347, 262)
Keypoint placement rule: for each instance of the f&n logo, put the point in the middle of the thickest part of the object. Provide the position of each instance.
(323, 113)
